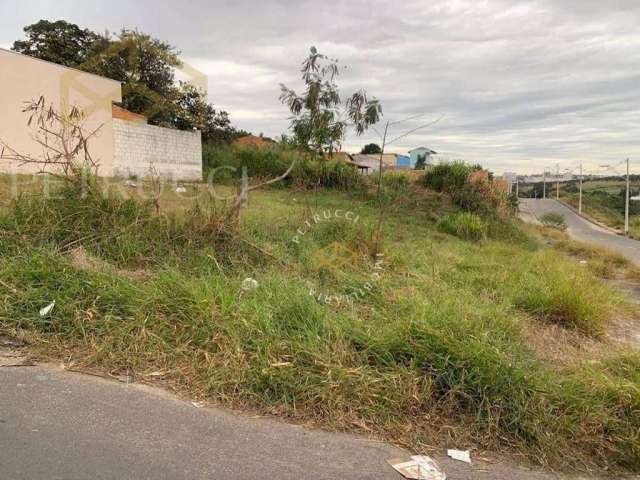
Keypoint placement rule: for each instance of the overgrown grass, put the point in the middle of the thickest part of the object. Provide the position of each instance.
(433, 352)
(465, 225)
(555, 220)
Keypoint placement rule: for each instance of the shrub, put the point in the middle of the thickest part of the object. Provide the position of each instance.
(465, 225)
(554, 220)
(448, 177)
(563, 293)
(396, 181)
(224, 163)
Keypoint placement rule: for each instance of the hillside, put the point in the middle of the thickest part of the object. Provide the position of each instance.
(497, 341)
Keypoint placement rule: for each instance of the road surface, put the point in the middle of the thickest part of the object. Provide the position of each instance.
(59, 425)
(580, 228)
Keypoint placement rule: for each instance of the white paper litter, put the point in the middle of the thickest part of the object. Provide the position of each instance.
(461, 455)
(198, 404)
(249, 284)
(46, 310)
(420, 467)
(130, 183)
(583, 262)
(181, 190)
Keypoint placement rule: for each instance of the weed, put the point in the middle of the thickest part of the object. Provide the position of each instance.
(466, 225)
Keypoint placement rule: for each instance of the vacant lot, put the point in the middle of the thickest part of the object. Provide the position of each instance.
(496, 342)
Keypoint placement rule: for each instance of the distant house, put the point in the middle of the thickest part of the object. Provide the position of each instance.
(403, 161)
(253, 141)
(416, 153)
(371, 162)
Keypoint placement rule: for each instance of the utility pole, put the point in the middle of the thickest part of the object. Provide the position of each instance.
(557, 181)
(544, 184)
(517, 188)
(626, 207)
(580, 198)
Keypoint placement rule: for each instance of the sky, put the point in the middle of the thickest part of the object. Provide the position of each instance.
(516, 85)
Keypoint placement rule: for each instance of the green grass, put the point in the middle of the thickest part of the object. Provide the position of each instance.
(433, 350)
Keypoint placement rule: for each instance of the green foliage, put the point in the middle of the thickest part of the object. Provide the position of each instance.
(122, 231)
(562, 293)
(438, 353)
(143, 64)
(59, 42)
(228, 162)
(448, 177)
(465, 225)
(555, 220)
(319, 121)
(371, 148)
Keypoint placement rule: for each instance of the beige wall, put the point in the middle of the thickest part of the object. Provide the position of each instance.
(23, 78)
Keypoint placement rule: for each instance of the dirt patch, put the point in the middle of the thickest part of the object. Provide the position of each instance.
(13, 352)
(81, 259)
(625, 329)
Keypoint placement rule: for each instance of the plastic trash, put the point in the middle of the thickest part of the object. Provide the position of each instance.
(181, 190)
(461, 455)
(46, 310)
(419, 467)
(249, 284)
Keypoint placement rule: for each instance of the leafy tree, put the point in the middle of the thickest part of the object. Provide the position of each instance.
(320, 120)
(144, 65)
(371, 148)
(60, 42)
(421, 162)
(195, 112)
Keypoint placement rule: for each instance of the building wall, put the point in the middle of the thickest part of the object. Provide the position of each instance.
(173, 153)
(23, 78)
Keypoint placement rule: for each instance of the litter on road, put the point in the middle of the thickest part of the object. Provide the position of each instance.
(419, 467)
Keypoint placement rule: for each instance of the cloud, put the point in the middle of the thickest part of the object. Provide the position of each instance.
(521, 84)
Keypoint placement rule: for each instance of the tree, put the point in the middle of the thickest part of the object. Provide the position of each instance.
(421, 162)
(195, 112)
(145, 66)
(320, 121)
(371, 148)
(59, 42)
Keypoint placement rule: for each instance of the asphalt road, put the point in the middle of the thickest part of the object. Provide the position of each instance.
(580, 228)
(59, 425)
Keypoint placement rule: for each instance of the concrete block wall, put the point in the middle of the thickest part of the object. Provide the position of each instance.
(174, 154)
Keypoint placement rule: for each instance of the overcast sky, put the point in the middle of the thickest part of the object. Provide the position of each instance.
(519, 84)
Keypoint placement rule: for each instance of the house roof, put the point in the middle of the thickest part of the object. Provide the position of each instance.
(431, 152)
(61, 66)
(123, 114)
(253, 141)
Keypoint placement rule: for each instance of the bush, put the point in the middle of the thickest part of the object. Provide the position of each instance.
(396, 181)
(554, 220)
(224, 163)
(465, 225)
(448, 177)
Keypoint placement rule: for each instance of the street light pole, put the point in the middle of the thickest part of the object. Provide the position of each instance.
(580, 199)
(626, 206)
